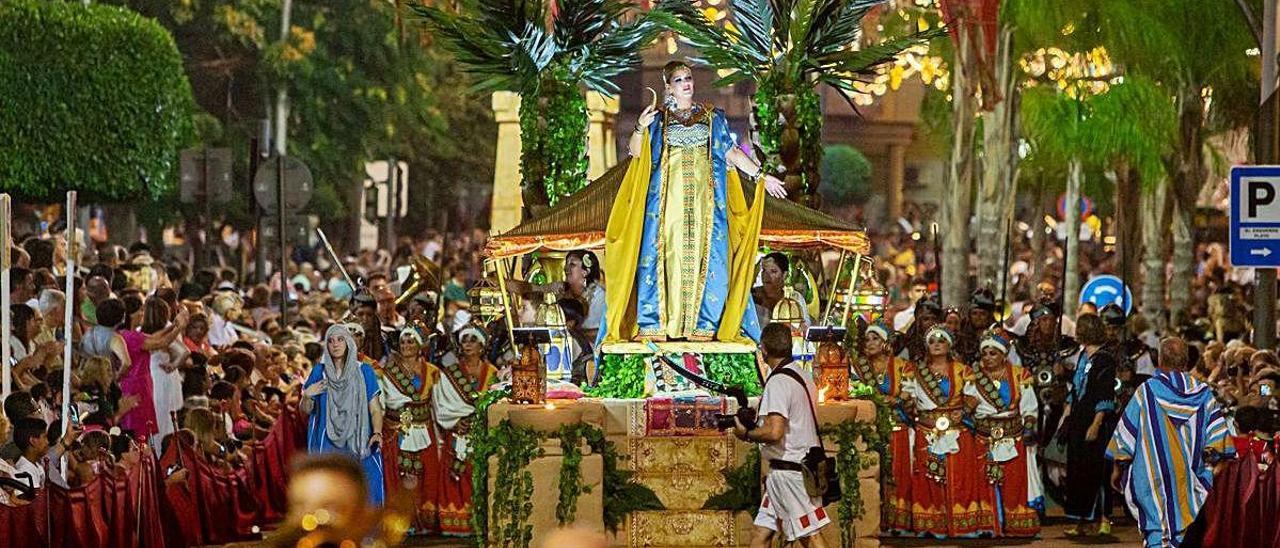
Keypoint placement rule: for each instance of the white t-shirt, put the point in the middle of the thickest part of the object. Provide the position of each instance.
(785, 397)
(35, 470)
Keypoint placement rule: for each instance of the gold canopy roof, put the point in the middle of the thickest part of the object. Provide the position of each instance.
(579, 221)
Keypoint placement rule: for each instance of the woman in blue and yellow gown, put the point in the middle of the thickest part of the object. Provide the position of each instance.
(681, 241)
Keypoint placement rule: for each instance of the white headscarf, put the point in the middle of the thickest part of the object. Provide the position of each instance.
(347, 421)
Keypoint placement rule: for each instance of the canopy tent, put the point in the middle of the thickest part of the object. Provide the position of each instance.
(579, 221)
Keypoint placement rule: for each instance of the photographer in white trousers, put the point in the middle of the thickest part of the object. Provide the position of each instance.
(786, 430)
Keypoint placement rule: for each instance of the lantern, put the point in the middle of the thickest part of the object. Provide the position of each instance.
(831, 371)
(486, 301)
(556, 354)
(529, 376)
(788, 311)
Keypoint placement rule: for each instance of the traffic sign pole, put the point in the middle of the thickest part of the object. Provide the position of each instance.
(282, 268)
(1264, 290)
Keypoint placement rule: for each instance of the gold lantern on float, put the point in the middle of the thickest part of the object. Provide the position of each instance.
(487, 301)
(556, 354)
(788, 311)
(831, 371)
(529, 376)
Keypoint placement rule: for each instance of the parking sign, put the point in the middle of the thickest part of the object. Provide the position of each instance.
(1255, 216)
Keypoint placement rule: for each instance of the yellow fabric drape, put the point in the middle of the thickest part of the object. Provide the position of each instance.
(744, 240)
(622, 249)
(622, 246)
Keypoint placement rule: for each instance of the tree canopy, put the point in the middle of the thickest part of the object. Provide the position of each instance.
(92, 98)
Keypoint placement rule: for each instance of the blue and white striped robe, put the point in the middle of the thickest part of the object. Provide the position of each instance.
(1165, 431)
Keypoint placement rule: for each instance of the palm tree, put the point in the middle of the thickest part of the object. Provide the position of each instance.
(1195, 49)
(1082, 133)
(788, 47)
(548, 52)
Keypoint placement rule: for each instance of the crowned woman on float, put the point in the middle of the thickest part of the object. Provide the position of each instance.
(681, 241)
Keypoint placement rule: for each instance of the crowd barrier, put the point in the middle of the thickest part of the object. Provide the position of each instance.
(136, 508)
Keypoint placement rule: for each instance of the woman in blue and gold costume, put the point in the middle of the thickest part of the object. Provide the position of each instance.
(681, 242)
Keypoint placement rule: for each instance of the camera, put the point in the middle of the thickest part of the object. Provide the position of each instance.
(725, 421)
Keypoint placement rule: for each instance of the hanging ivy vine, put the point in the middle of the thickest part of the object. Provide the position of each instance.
(511, 500)
(770, 124)
(553, 138)
(570, 473)
(850, 460)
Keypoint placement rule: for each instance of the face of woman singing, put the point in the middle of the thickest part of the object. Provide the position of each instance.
(938, 346)
(409, 347)
(992, 358)
(681, 85)
(471, 346)
(337, 347)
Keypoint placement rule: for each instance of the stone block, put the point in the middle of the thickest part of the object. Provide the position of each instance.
(683, 528)
(834, 412)
(551, 416)
(546, 494)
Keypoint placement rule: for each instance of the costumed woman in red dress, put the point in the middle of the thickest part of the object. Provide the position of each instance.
(946, 477)
(876, 365)
(1002, 400)
(407, 381)
(453, 400)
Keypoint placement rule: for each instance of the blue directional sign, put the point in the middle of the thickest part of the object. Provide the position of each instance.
(1107, 289)
(1255, 216)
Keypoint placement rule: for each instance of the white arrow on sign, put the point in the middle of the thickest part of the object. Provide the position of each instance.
(1265, 252)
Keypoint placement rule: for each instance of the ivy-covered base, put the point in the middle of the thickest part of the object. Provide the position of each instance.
(511, 502)
(623, 375)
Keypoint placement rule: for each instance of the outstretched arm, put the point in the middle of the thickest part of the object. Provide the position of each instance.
(745, 164)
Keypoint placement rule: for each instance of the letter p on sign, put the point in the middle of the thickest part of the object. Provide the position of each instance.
(1260, 193)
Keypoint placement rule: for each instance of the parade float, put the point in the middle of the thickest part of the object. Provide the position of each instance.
(640, 456)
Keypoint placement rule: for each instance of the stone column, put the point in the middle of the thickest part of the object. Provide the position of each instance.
(507, 203)
(897, 179)
(602, 145)
(602, 151)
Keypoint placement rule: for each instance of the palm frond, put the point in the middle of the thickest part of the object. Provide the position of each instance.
(614, 53)
(865, 61)
(838, 25)
(754, 21)
(717, 46)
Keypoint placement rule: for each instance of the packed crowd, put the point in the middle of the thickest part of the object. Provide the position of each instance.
(161, 349)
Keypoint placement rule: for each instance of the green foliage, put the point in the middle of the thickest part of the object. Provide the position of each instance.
(621, 376)
(744, 492)
(359, 91)
(570, 473)
(511, 501)
(847, 173)
(77, 113)
(850, 460)
(512, 497)
(788, 48)
(509, 45)
(734, 370)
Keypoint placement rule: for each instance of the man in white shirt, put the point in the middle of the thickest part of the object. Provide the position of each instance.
(29, 436)
(786, 428)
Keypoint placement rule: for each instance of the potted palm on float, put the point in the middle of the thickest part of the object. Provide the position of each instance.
(788, 47)
(549, 52)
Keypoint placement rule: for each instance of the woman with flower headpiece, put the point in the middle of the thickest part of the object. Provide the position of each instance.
(407, 381)
(453, 400)
(341, 397)
(875, 365)
(945, 478)
(1002, 399)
